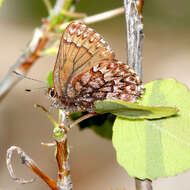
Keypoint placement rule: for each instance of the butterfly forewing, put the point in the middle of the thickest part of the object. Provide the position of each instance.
(80, 48)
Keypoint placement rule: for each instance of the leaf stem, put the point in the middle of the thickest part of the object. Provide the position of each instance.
(82, 119)
(48, 114)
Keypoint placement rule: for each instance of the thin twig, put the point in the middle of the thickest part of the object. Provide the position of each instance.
(97, 17)
(48, 144)
(103, 16)
(74, 15)
(30, 164)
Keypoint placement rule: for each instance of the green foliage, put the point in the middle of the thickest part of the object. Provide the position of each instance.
(156, 148)
(50, 79)
(105, 128)
(133, 110)
(100, 124)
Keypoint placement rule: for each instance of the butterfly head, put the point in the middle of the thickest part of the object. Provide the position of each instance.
(52, 93)
(53, 96)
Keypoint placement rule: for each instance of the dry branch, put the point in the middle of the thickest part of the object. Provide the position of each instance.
(30, 164)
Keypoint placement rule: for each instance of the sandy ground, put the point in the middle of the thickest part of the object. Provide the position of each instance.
(93, 162)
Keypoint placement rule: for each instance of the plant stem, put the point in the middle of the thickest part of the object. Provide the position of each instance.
(64, 181)
(135, 35)
(143, 184)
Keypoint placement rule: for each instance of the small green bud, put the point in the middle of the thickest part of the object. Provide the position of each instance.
(58, 133)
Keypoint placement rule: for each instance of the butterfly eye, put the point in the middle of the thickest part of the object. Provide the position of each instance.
(52, 92)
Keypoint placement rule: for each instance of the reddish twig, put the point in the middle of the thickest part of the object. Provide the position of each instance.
(29, 163)
(64, 178)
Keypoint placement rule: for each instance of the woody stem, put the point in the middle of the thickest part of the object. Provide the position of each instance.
(135, 35)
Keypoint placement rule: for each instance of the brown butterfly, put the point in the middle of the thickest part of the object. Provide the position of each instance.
(86, 71)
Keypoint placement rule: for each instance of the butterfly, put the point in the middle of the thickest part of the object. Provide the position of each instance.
(86, 71)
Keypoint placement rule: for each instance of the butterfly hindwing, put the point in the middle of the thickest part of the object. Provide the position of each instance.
(108, 79)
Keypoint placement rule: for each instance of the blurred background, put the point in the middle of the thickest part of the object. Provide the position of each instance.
(166, 54)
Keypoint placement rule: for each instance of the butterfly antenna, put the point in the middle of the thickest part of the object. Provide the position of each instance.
(35, 89)
(25, 77)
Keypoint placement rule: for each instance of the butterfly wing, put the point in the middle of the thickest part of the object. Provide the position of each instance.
(86, 71)
(107, 79)
(80, 48)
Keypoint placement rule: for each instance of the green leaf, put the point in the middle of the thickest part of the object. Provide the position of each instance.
(133, 110)
(156, 148)
(50, 79)
(105, 129)
(100, 124)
